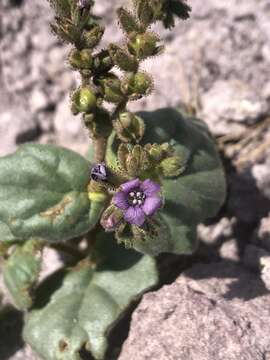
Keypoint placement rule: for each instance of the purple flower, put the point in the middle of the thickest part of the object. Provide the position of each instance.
(99, 172)
(138, 200)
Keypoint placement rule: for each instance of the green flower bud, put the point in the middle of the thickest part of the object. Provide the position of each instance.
(112, 89)
(134, 160)
(111, 218)
(91, 38)
(145, 11)
(66, 31)
(137, 85)
(127, 21)
(84, 100)
(172, 166)
(129, 127)
(150, 11)
(144, 45)
(61, 7)
(122, 59)
(81, 59)
(159, 152)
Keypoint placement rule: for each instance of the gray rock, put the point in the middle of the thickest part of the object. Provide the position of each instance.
(261, 173)
(15, 127)
(69, 130)
(263, 234)
(265, 274)
(231, 105)
(212, 312)
(218, 241)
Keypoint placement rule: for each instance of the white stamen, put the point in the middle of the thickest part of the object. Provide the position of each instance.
(132, 194)
(134, 202)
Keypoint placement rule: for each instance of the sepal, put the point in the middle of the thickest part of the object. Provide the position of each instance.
(122, 59)
(83, 100)
(129, 127)
(127, 21)
(81, 59)
(144, 45)
(135, 86)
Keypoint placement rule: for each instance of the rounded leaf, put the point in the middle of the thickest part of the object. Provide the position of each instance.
(43, 195)
(21, 272)
(87, 302)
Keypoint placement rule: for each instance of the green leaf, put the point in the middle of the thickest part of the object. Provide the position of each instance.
(193, 196)
(43, 195)
(87, 302)
(21, 273)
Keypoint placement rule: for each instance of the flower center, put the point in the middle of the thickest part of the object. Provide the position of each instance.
(136, 197)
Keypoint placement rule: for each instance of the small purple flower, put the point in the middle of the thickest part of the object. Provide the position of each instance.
(99, 172)
(138, 200)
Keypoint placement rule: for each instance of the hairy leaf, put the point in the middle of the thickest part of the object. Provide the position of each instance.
(87, 302)
(21, 273)
(193, 196)
(43, 195)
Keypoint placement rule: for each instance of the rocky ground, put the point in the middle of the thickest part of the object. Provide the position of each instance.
(219, 62)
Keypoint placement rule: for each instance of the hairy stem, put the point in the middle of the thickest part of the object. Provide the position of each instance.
(100, 145)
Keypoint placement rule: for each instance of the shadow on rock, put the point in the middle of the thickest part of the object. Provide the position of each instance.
(11, 341)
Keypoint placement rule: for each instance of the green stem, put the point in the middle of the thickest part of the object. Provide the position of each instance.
(121, 106)
(100, 145)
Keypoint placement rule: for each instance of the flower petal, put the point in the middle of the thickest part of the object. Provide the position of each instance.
(120, 200)
(130, 185)
(134, 215)
(149, 187)
(151, 205)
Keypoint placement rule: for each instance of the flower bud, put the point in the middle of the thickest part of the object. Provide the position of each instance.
(92, 37)
(172, 166)
(137, 85)
(66, 31)
(99, 172)
(134, 160)
(145, 12)
(127, 21)
(81, 59)
(112, 89)
(144, 45)
(159, 152)
(122, 59)
(129, 127)
(84, 100)
(62, 8)
(111, 218)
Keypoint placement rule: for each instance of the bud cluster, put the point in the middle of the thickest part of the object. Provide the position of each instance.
(152, 160)
(140, 168)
